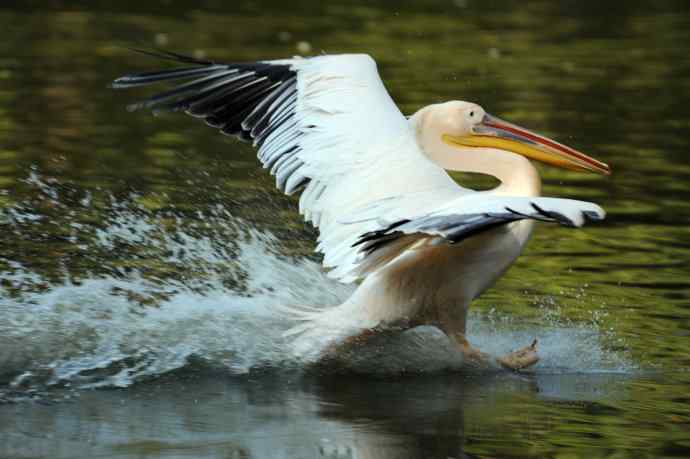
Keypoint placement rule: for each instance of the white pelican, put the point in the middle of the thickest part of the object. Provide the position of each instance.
(374, 183)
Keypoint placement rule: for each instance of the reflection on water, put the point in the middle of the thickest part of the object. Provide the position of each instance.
(132, 245)
(436, 416)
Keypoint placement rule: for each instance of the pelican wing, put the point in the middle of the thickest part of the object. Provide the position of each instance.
(324, 125)
(462, 218)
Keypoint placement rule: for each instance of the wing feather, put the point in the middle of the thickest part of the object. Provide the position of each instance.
(468, 215)
(325, 125)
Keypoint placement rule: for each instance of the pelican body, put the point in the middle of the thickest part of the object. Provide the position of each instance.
(374, 183)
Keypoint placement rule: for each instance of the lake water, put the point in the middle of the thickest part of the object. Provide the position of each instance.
(146, 262)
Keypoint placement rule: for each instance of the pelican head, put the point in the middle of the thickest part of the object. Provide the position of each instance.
(471, 132)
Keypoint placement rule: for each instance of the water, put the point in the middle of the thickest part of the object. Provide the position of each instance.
(151, 259)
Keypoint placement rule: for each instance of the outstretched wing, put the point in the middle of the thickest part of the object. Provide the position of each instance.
(464, 217)
(325, 125)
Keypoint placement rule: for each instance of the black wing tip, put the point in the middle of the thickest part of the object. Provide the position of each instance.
(554, 216)
(514, 212)
(128, 81)
(170, 55)
(246, 100)
(592, 216)
(122, 82)
(379, 234)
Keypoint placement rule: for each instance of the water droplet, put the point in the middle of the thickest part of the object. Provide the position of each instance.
(303, 47)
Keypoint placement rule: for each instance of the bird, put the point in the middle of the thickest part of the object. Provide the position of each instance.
(418, 246)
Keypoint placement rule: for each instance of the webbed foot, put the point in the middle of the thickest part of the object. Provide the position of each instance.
(520, 359)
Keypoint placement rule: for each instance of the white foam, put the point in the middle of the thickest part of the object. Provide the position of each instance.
(71, 331)
(91, 334)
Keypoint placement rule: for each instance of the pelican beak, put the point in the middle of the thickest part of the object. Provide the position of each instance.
(493, 132)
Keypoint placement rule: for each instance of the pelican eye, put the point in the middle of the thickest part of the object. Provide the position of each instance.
(471, 114)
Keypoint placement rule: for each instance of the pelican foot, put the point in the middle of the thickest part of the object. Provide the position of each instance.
(520, 359)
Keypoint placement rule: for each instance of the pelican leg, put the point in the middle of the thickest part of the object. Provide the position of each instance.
(471, 355)
(453, 321)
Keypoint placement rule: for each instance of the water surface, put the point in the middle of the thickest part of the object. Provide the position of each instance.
(149, 257)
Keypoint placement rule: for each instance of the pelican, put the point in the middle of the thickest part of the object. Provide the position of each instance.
(419, 246)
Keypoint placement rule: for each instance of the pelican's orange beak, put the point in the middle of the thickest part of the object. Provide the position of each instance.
(493, 132)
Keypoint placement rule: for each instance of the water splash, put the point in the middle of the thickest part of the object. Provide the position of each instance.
(93, 335)
(228, 305)
(224, 305)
